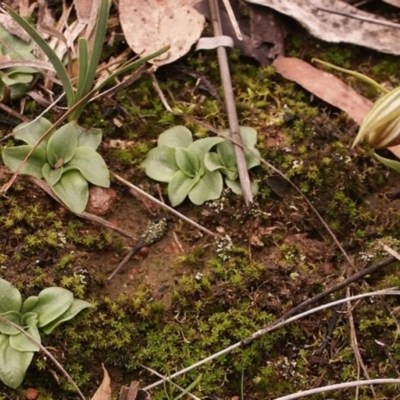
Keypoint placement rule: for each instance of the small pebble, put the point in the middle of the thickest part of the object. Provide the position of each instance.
(101, 200)
(31, 394)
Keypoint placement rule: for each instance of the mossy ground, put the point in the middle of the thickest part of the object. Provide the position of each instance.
(174, 310)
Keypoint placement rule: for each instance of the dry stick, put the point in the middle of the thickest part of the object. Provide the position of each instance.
(272, 327)
(361, 17)
(85, 215)
(337, 386)
(48, 354)
(173, 383)
(161, 204)
(281, 174)
(230, 106)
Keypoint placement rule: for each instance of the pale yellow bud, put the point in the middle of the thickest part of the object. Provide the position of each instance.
(381, 126)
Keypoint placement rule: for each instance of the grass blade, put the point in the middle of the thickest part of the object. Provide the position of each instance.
(99, 35)
(133, 65)
(52, 56)
(83, 67)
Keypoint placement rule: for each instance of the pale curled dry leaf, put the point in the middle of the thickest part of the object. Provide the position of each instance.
(104, 391)
(337, 28)
(325, 86)
(395, 3)
(149, 25)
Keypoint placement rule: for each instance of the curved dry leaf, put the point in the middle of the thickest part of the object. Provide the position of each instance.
(149, 25)
(104, 391)
(325, 86)
(395, 3)
(338, 28)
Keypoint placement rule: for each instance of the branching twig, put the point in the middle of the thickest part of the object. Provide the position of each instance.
(339, 386)
(355, 348)
(271, 328)
(173, 383)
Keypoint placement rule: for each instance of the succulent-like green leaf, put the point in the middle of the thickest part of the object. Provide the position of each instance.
(73, 190)
(393, 164)
(52, 303)
(51, 175)
(62, 144)
(30, 132)
(209, 187)
(201, 147)
(28, 304)
(213, 162)
(89, 137)
(91, 165)
(177, 136)
(180, 186)
(10, 297)
(227, 153)
(187, 162)
(76, 307)
(13, 363)
(16, 78)
(22, 342)
(160, 164)
(234, 185)
(14, 317)
(13, 157)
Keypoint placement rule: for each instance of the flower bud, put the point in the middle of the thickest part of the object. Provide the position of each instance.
(381, 126)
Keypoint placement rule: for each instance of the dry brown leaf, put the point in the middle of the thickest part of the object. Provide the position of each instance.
(149, 25)
(86, 11)
(104, 391)
(337, 28)
(325, 86)
(395, 3)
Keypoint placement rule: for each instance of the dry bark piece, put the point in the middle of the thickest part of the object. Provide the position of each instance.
(337, 28)
(325, 86)
(149, 25)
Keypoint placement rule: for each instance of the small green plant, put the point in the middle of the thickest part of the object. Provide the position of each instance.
(67, 160)
(190, 167)
(15, 81)
(46, 311)
(180, 162)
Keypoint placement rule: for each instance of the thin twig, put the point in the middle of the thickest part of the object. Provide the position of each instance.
(270, 328)
(361, 17)
(173, 383)
(85, 215)
(339, 386)
(281, 174)
(161, 204)
(355, 348)
(48, 354)
(230, 106)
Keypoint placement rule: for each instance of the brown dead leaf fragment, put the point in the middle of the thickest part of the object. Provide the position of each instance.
(325, 86)
(104, 391)
(319, 18)
(149, 25)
